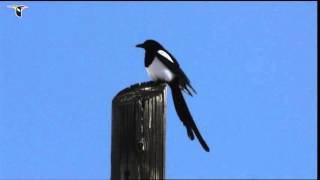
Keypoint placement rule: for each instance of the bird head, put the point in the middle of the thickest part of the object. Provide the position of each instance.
(149, 45)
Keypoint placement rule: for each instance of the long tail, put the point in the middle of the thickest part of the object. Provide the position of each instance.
(184, 114)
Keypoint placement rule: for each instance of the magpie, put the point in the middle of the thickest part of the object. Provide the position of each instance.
(162, 66)
(18, 9)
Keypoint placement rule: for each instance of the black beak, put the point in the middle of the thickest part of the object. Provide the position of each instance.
(139, 45)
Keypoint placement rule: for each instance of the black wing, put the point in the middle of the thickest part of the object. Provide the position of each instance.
(174, 67)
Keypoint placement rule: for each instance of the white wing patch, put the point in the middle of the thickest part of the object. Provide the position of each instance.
(166, 55)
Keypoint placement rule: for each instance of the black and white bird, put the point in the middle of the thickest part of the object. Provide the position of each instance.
(18, 9)
(162, 66)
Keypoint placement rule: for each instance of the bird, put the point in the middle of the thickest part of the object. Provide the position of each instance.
(18, 9)
(162, 66)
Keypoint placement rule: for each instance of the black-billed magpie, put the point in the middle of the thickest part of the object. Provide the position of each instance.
(162, 66)
(18, 9)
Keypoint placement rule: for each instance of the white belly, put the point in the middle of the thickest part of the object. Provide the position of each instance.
(158, 71)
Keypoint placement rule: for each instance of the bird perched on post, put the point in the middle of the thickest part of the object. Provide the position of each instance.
(18, 9)
(162, 66)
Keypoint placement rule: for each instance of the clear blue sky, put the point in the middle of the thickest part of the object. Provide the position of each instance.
(253, 65)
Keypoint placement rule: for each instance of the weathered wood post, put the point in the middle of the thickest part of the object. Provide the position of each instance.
(138, 132)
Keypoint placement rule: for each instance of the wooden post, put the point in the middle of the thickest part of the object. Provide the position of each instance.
(138, 132)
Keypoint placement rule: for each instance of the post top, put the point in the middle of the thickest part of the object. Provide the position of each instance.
(139, 91)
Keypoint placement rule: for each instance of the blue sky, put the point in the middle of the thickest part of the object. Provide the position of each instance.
(252, 64)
